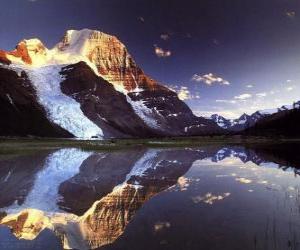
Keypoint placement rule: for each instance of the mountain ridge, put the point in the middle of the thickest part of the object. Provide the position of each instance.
(246, 121)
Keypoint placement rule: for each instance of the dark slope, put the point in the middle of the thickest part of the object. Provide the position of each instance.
(21, 114)
(111, 111)
(284, 123)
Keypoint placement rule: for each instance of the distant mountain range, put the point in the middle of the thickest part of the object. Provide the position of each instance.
(284, 122)
(254, 121)
(88, 86)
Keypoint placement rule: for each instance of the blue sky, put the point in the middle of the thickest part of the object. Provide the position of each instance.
(226, 57)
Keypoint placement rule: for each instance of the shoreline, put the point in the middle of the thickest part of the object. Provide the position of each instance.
(25, 145)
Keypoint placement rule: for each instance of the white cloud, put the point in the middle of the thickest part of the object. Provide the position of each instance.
(159, 226)
(184, 94)
(290, 88)
(165, 37)
(210, 198)
(140, 18)
(226, 101)
(290, 14)
(243, 96)
(210, 79)
(260, 95)
(249, 86)
(161, 52)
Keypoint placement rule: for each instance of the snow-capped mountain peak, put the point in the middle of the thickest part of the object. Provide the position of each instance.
(105, 54)
(82, 42)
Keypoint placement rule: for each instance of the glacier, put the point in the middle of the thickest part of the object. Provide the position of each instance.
(61, 109)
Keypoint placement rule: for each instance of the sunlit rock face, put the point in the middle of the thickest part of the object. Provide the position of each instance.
(110, 57)
(27, 51)
(27, 224)
(3, 58)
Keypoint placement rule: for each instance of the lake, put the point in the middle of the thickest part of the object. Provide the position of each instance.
(208, 197)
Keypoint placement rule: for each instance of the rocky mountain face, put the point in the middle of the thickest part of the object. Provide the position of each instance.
(87, 86)
(109, 56)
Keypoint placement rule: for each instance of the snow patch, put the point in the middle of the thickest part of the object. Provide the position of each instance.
(146, 114)
(10, 100)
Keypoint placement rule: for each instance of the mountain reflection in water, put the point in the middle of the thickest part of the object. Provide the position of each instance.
(202, 198)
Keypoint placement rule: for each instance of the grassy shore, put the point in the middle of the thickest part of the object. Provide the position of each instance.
(24, 145)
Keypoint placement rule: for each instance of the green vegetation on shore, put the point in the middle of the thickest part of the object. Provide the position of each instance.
(24, 145)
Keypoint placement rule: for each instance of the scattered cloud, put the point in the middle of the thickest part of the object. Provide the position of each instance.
(161, 52)
(210, 198)
(165, 37)
(183, 183)
(290, 14)
(243, 180)
(226, 101)
(290, 88)
(210, 79)
(184, 94)
(249, 86)
(159, 226)
(243, 96)
(141, 19)
(216, 42)
(260, 95)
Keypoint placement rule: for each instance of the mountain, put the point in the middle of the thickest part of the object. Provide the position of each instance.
(284, 122)
(247, 121)
(88, 85)
(239, 124)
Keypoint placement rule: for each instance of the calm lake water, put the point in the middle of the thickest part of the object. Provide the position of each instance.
(216, 197)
